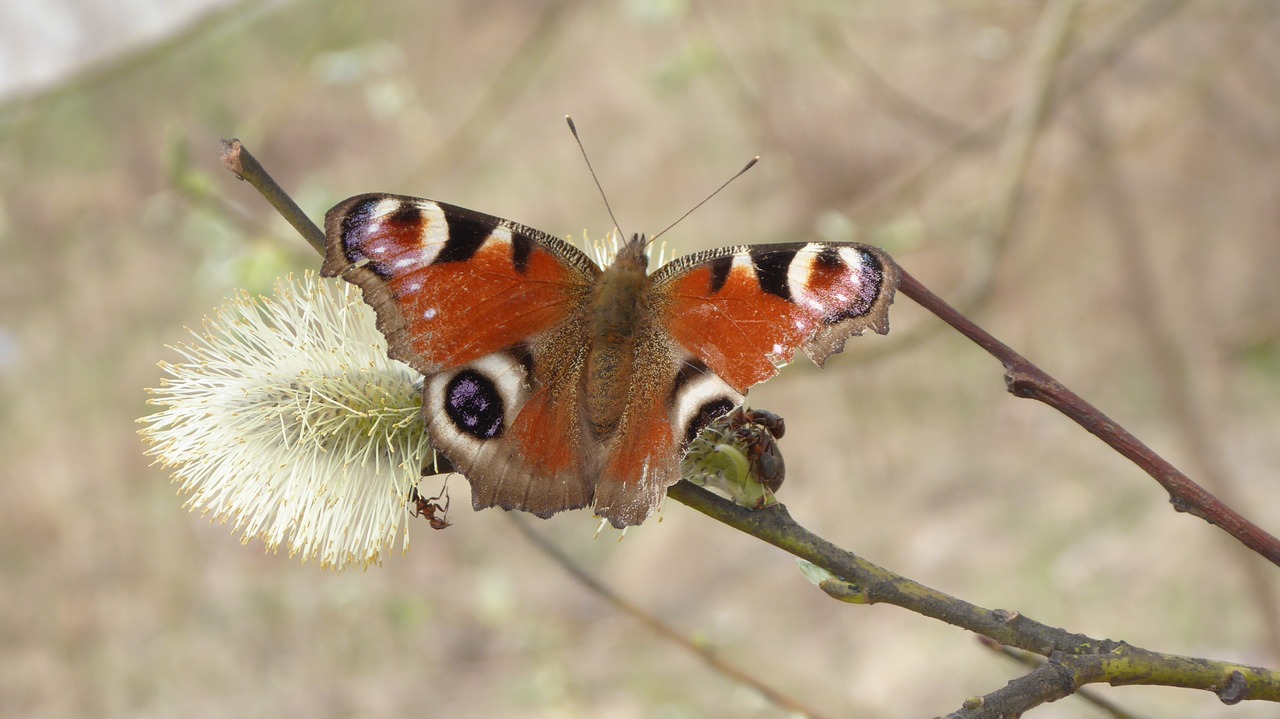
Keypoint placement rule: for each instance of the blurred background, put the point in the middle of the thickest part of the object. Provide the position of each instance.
(1094, 182)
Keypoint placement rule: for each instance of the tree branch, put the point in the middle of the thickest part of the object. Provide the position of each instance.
(1032, 661)
(245, 166)
(520, 66)
(1063, 674)
(1074, 659)
(1024, 379)
(1024, 126)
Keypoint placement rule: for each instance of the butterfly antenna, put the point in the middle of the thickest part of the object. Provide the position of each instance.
(574, 129)
(748, 166)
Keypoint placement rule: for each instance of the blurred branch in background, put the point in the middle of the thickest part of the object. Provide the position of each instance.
(1080, 69)
(1049, 80)
(1022, 126)
(894, 99)
(1074, 659)
(655, 625)
(1025, 123)
(523, 62)
(1184, 392)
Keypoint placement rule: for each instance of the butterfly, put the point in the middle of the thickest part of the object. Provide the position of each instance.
(553, 383)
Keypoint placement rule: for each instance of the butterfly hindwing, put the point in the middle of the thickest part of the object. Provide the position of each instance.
(744, 311)
(510, 422)
(450, 285)
(673, 397)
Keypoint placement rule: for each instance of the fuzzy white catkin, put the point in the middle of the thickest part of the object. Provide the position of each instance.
(286, 418)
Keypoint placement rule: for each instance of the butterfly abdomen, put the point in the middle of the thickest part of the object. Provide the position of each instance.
(617, 317)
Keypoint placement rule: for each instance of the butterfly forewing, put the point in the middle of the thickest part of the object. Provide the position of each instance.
(746, 310)
(450, 285)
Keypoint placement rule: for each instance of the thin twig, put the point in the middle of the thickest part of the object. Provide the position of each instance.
(245, 166)
(1024, 379)
(655, 625)
(1032, 661)
(1063, 675)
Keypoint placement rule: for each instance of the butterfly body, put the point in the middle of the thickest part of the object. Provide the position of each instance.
(617, 325)
(553, 383)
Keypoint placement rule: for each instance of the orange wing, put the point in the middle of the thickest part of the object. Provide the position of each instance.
(510, 423)
(490, 311)
(744, 311)
(451, 285)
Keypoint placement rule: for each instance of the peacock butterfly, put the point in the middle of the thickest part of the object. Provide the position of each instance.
(552, 383)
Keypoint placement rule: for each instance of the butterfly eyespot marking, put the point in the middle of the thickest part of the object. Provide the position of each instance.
(474, 406)
(870, 273)
(478, 402)
(390, 237)
(698, 397)
(705, 415)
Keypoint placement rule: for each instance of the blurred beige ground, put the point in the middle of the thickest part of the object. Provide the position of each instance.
(1139, 268)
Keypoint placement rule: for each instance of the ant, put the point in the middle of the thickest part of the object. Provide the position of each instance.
(429, 507)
